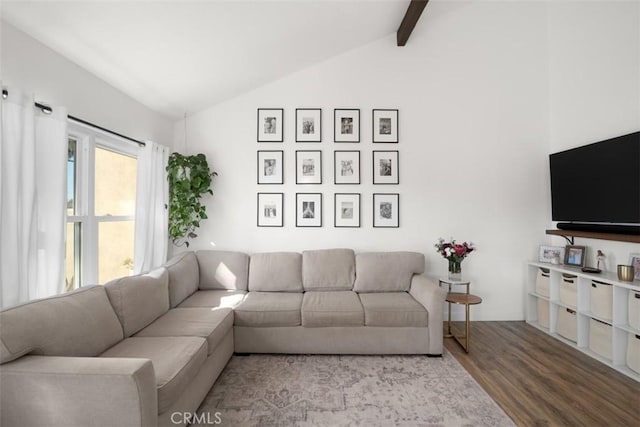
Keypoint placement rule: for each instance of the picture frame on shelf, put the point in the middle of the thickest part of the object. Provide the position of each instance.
(385, 126)
(575, 255)
(346, 167)
(270, 167)
(386, 167)
(308, 125)
(386, 210)
(346, 210)
(308, 209)
(270, 124)
(308, 167)
(551, 254)
(634, 260)
(270, 210)
(346, 125)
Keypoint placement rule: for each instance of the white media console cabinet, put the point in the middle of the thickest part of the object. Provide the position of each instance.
(595, 313)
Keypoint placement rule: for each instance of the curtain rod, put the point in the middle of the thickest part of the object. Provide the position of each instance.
(48, 110)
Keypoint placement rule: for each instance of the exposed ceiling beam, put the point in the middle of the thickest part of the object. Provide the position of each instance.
(410, 20)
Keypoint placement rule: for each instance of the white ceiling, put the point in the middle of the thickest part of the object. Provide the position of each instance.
(180, 57)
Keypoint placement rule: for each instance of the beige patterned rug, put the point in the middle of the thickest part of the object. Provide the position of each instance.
(301, 390)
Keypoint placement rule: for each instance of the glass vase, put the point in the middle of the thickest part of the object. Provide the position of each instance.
(455, 270)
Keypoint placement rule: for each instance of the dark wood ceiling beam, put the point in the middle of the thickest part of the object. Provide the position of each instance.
(410, 20)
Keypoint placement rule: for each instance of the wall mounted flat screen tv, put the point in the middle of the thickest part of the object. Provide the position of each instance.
(598, 184)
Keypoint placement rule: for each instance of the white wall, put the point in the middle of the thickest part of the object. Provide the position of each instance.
(31, 66)
(594, 81)
(471, 87)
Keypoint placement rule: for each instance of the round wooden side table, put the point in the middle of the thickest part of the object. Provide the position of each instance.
(461, 298)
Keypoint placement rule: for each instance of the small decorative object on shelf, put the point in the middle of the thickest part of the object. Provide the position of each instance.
(455, 253)
(625, 272)
(596, 270)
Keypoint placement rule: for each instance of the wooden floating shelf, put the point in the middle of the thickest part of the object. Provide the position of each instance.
(594, 235)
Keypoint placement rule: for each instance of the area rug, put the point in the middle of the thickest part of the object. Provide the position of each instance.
(317, 390)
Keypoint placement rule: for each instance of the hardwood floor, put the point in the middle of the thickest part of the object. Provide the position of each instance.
(540, 381)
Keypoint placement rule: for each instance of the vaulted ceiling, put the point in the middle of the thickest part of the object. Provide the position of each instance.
(180, 57)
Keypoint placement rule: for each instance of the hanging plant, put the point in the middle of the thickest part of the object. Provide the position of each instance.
(189, 179)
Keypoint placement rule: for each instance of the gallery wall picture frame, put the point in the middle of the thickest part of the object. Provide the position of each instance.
(270, 124)
(346, 211)
(551, 254)
(308, 125)
(270, 210)
(575, 255)
(634, 260)
(308, 167)
(270, 167)
(308, 209)
(386, 168)
(346, 167)
(385, 126)
(346, 125)
(386, 210)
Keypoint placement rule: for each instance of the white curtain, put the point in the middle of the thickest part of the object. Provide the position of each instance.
(33, 158)
(152, 216)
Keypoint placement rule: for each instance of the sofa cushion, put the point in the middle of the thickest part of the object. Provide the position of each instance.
(80, 323)
(184, 277)
(209, 324)
(392, 309)
(332, 308)
(328, 270)
(176, 362)
(223, 269)
(264, 309)
(214, 299)
(275, 272)
(139, 300)
(387, 271)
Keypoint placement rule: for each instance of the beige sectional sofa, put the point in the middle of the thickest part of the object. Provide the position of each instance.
(142, 348)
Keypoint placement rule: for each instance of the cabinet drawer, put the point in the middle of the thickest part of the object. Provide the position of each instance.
(569, 290)
(543, 313)
(634, 310)
(600, 338)
(633, 352)
(601, 299)
(542, 282)
(567, 324)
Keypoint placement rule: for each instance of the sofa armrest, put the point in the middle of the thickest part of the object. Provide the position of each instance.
(429, 293)
(78, 391)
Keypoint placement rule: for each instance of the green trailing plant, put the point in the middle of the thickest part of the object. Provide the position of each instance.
(189, 180)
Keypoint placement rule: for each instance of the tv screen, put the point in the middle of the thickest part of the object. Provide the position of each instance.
(597, 183)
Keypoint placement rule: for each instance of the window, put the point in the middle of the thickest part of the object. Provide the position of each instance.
(101, 198)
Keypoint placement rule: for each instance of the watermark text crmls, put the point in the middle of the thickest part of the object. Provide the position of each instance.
(194, 418)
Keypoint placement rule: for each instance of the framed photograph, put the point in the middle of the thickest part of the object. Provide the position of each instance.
(270, 207)
(308, 125)
(551, 254)
(385, 167)
(346, 125)
(309, 167)
(270, 124)
(634, 260)
(270, 167)
(385, 126)
(346, 210)
(575, 255)
(386, 210)
(308, 210)
(346, 167)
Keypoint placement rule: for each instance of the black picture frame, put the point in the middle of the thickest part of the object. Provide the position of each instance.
(386, 167)
(384, 124)
(345, 130)
(339, 159)
(386, 210)
(270, 210)
(302, 175)
(309, 127)
(265, 176)
(308, 209)
(275, 133)
(341, 217)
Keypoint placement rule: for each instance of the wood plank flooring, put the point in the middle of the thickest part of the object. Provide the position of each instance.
(540, 381)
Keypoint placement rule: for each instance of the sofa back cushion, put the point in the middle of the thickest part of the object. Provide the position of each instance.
(223, 270)
(328, 270)
(139, 300)
(81, 323)
(184, 277)
(275, 272)
(387, 271)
